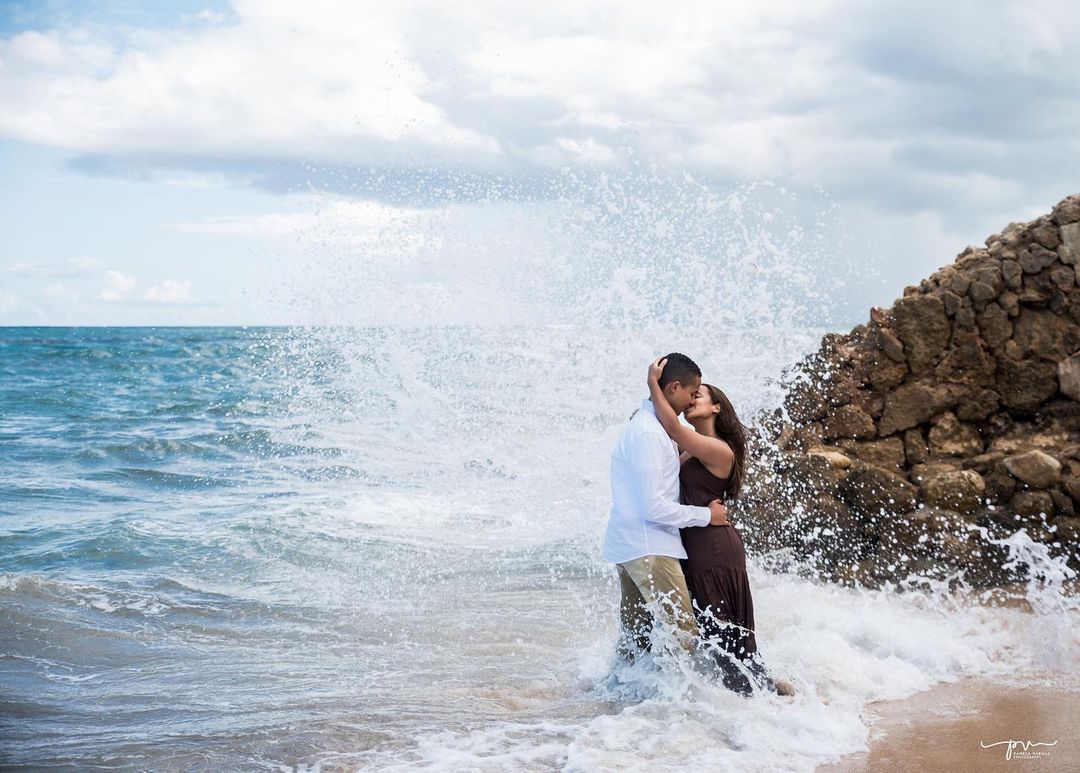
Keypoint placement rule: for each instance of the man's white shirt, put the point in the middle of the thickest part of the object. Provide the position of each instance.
(645, 512)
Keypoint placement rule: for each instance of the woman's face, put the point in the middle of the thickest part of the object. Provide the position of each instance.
(703, 405)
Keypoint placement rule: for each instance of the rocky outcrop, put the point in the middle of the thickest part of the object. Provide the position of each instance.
(947, 420)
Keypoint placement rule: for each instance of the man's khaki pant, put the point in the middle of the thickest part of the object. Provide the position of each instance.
(656, 581)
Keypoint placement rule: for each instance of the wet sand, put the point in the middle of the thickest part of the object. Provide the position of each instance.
(942, 729)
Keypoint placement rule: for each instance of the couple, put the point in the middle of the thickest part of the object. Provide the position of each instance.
(674, 548)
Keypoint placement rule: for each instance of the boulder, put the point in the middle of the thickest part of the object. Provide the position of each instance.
(1022, 384)
(915, 450)
(951, 437)
(966, 360)
(1067, 211)
(962, 491)
(1036, 258)
(1032, 504)
(1035, 468)
(923, 328)
(977, 405)
(1069, 251)
(848, 421)
(887, 454)
(1040, 333)
(916, 402)
(1068, 372)
(829, 457)
(870, 490)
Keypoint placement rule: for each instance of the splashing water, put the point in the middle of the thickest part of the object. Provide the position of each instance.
(376, 547)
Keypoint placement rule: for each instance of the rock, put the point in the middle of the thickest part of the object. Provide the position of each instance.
(1000, 485)
(1035, 468)
(1046, 234)
(1033, 296)
(977, 405)
(958, 284)
(1046, 335)
(1022, 384)
(1036, 258)
(1071, 486)
(887, 454)
(1010, 303)
(1012, 273)
(923, 327)
(914, 403)
(883, 372)
(965, 317)
(981, 293)
(1032, 503)
(950, 437)
(994, 325)
(961, 491)
(1067, 211)
(968, 388)
(1069, 251)
(966, 360)
(922, 472)
(870, 490)
(848, 421)
(1063, 504)
(1066, 530)
(833, 459)
(915, 450)
(892, 346)
(1068, 372)
(1063, 277)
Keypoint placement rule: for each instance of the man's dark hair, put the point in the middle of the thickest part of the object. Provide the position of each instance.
(679, 368)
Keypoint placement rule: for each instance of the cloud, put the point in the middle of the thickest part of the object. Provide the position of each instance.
(117, 285)
(80, 266)
(872, 101)
(169, 291)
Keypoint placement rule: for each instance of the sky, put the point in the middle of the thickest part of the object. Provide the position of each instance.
(274, 162)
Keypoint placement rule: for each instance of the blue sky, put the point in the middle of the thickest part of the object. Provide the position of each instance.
(266, 161)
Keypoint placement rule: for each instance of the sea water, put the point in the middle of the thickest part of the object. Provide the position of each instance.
(378, 548)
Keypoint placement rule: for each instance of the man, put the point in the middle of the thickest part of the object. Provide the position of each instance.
(642, 537)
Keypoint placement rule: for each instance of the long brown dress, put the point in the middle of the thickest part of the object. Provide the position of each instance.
(715, 569)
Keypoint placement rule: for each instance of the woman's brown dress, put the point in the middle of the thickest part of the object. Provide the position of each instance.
(715, 569)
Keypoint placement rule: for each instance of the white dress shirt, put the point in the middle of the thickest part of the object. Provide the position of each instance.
(645, 512)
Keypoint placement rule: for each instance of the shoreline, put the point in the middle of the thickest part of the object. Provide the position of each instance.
(944, 728)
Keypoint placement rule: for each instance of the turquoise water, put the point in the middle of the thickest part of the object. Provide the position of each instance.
(265, 549)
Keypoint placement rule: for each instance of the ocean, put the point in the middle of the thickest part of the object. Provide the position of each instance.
(377, 548)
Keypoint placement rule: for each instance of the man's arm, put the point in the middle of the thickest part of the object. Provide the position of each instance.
(647, 461)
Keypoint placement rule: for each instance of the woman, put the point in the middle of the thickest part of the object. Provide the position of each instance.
(713, 463)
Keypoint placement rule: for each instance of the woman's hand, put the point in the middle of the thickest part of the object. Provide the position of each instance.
(655, 369)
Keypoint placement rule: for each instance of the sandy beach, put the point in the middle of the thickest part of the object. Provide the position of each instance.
(945, 729)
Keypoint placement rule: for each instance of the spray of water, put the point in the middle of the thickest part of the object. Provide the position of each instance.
(473, 359)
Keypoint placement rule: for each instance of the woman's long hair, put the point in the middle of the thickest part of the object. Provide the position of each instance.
(730, 430)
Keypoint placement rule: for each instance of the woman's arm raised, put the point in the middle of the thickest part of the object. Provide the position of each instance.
(711, 451)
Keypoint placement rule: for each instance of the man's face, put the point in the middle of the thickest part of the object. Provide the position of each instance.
(681, 396)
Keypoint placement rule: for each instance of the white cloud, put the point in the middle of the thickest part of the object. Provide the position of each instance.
(117, 285)
(170, 291)
(287, 80)
(77, 267)
(833, 92)
(332, 221)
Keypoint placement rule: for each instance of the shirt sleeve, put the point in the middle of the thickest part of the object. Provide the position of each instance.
(648, 463)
